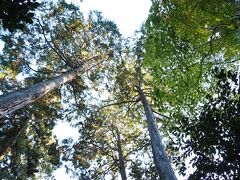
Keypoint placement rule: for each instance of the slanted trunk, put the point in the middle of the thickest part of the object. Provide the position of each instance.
(120, 156)
(15, 100)
(161, 161)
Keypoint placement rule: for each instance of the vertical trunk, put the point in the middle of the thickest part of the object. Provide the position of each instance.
(120, 155)
(5, 147)
(15, 100)
(161, 161)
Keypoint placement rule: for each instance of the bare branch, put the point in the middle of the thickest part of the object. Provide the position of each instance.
(167, 117)
(118, 103)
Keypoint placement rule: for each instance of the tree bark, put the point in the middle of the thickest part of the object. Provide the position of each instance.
(120, 156)
(161, 161)
(15, 100)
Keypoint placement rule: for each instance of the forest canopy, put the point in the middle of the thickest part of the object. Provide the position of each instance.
(162, 104)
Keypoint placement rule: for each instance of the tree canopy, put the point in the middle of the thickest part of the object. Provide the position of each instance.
(213, 134)
(146, 107)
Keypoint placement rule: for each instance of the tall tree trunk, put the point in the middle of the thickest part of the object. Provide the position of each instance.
(161, 161)
(120, 156)
(15, 100)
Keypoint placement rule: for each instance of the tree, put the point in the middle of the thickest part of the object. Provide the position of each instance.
(160, 156)
(61, 41)
(161, 160)
(211, 139)
(122, 83)
(110, 133)
(85, 56)
(175, 76)
(15, 14)
(13, 101)
(183, 42)
(30, 149)
(107, 139)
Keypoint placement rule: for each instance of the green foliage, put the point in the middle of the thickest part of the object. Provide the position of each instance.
(183, 41)
(95, 155)
(34, 153)
(138, 171)
(15, 14)
(211, 139)
(60, 40)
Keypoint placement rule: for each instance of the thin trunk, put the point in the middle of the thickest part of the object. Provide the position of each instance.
(5, 147)
(120, 155)
(161, 161)
(15, 100)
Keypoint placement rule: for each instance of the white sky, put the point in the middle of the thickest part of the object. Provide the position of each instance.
(129, 16)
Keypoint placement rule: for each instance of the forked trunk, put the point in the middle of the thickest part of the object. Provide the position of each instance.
(161, 161)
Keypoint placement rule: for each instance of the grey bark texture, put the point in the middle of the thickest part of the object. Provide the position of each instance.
(15, 100)
(161, 160)
(121, 158)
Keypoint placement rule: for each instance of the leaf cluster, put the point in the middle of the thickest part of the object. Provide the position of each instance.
(211, 140)
(15, 14)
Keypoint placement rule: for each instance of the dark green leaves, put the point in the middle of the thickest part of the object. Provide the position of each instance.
(15, 14)
(213, 135)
